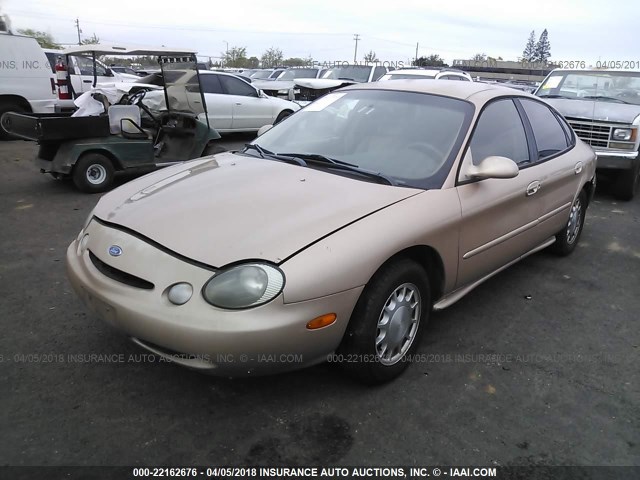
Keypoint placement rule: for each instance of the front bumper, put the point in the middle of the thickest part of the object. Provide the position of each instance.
(267, 339)
(616, 160)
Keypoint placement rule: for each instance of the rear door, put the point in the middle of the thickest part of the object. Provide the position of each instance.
(559, 169)
(82, 74)
(499, 216)
(219, 105)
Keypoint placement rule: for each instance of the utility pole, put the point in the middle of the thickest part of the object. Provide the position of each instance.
(416, 62)
(226, 52)
(356, 37)
(79, 31)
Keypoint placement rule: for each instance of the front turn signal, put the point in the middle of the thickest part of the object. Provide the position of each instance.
(322, 321)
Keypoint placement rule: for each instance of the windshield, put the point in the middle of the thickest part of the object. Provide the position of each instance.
(298, 73)
(262, 74)
(409, 137)
(357, 73)
(617, 87)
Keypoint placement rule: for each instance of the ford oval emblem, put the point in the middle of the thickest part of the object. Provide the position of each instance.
(115, 251)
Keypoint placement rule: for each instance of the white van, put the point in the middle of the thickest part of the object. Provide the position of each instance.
(27, 83)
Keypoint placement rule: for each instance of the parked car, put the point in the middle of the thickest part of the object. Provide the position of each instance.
(334, 78)
(233, 105)
(284, 86)
(431, 73)
(335, 233)
(26, 83)
(603, 107)
(127, 70)
(262, 74)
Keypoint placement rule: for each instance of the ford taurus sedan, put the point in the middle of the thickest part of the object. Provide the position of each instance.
(336, 232)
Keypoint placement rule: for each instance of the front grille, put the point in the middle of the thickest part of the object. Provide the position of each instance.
(119, 275)
(595, 134)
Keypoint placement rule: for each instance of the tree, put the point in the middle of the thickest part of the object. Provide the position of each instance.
(235, 57)
(479, 57)
(294, 62)
(253, 62)
(272, 57)
(433, 60)
(370, 57)
(529, 52)
(92, 40)
(43, 38)
(543, 48)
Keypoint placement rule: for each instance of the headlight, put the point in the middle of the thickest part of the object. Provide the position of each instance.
(85, 224)
(622, 134)
(244, 286)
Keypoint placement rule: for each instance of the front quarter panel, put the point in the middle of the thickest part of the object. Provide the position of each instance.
(349, 257)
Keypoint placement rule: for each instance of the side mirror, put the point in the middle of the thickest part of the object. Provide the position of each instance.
(264, 128)
(494, 167)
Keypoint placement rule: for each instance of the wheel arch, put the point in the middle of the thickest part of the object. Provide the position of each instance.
(102, 151)
(429, 259)
(15, 99)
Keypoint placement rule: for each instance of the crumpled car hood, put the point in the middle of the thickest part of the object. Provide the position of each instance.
(228, 208)
(599, 111)
(322, 83)
(274, 85)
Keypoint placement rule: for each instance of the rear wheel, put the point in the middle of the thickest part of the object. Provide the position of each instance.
(9, 107)
(387, 323)
(628, 182)
(567, 238)
(93, 173)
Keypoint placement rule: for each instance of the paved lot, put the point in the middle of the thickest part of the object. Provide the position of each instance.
(563, 390)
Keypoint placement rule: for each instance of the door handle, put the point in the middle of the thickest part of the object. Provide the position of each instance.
(238, 103)
(533, 188)
(578, 168)
(87, 81)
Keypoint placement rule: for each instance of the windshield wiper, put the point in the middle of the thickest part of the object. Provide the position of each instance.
(557, 96)
(604, 97)
(318, 159)
(267, 154)
(347, 78)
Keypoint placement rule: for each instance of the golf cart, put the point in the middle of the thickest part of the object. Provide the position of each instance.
(113, 130)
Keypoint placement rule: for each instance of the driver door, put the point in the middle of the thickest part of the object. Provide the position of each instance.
(219, 106)
(499, 216)
(250, 111)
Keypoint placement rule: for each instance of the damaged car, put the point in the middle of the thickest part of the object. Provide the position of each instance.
(307, 90)
(334, 234)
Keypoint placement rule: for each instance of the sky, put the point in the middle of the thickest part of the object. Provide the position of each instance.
(324, 29)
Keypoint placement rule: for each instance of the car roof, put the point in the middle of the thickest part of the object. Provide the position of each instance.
(462, 90)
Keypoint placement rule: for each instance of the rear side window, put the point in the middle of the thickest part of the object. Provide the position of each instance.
(378, 72)
(549, 134)
(210, 84)
(500, 132)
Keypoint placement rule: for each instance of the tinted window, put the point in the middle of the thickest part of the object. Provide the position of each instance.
(235, 86)
(378, 72)
(549, 135)
(210, 84)
(500, 132)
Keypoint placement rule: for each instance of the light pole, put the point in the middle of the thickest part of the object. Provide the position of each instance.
(226, 52)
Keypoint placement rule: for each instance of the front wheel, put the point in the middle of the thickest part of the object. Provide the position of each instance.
(567, 238)
(93, 173)
(387, 323)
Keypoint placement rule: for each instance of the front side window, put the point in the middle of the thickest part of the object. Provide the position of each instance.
(547, 131)
(235, 86)
(499, 132)
(210, 84)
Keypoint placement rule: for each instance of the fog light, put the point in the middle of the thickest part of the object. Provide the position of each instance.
(180, 293)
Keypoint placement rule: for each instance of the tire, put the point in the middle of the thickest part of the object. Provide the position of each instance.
(569, 236)
(362, 352)
(282, 115)
(9, 107)
(212, 148)
(628, 183)
(93, 173)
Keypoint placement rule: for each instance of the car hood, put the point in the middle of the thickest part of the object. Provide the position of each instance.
(228, 208)
(599, 111)
(322, 83)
